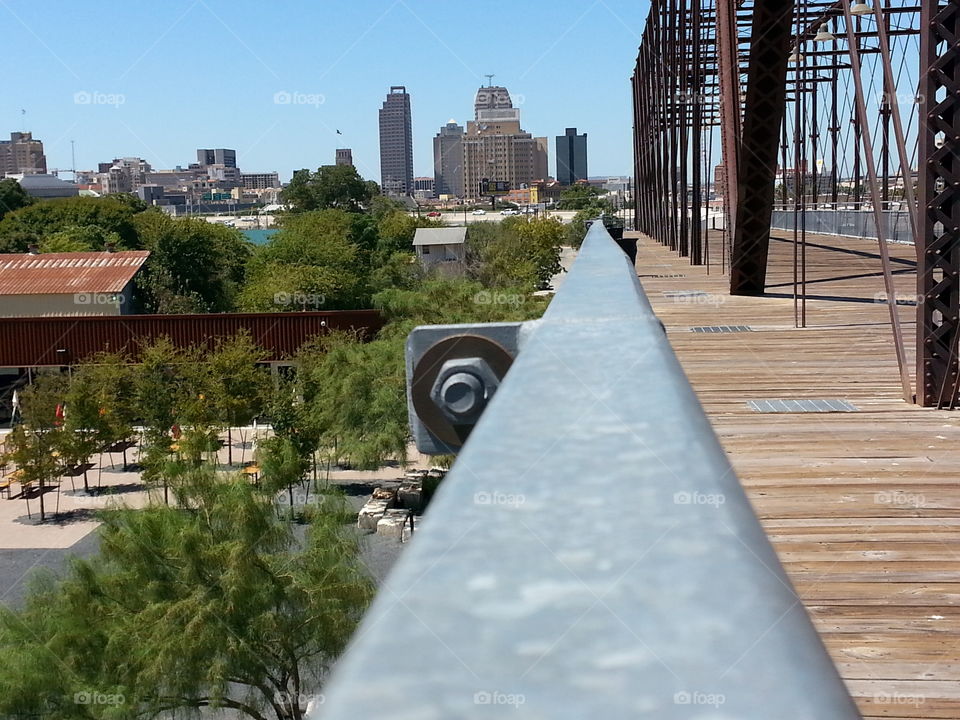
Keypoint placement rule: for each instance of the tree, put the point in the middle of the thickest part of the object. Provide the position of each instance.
(218, 606)
(158, 387)
(239, 387)
(100, 402)
(31, 445)
(35, 222)
(194, 266)
(582, 197)
(79, 238)
(312, 257)
(12, 196)
(520, 252)
(330, 187)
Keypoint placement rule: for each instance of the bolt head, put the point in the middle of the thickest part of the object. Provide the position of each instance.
(463, 388)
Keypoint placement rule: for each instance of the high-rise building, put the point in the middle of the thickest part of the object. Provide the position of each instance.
(218, 156)
(344, 156)
(496, 148)
(448, 160)
(22, 154)
(571, 157)
(396, 143)
(259, 181)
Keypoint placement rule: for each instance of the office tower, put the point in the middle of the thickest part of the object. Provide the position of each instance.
(218, 156)
(448, 160)
(571, 157)
(344, 156)
(22, 154)
(496, 148)
(396, 143)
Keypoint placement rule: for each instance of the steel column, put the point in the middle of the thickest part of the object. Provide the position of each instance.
(763, 113)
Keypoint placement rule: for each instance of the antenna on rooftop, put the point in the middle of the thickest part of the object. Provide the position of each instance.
(490, 78)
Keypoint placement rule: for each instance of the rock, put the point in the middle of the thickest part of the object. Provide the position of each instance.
(410, 495)
(383, 493)
(395, 524)
(370, 514)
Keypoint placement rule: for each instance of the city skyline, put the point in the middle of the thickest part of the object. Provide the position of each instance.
(291, 78)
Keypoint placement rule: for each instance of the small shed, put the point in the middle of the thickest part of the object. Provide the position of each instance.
(70, 283)
(441, 248)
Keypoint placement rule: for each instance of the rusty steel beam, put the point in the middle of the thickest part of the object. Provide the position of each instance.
(760, 139)
(938, 266)
(729, 75)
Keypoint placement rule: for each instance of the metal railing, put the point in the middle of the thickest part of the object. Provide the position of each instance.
(591, 554)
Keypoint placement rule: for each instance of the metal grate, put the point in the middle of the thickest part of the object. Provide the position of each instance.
(663, 277)
(721, 329)
(829, 405)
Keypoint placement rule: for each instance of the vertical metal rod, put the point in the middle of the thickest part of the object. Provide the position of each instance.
(893, 107)
(861, 106)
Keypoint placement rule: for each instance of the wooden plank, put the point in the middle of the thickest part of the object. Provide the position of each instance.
(863, 508)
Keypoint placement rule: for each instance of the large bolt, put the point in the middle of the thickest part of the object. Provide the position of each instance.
(463, 388)
(462, 394)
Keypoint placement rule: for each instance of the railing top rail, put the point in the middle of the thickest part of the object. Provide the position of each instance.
(591, 554)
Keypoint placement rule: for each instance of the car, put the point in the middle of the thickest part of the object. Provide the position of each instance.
(433, 214)
(479, 212)
(508, 211)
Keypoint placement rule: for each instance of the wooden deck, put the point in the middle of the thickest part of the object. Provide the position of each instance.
(863, 507)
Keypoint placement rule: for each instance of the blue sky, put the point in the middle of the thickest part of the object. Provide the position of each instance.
(160, 79)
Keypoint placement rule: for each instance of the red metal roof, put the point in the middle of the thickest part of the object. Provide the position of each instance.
(68, 273)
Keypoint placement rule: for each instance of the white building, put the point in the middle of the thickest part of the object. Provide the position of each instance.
(443, 249)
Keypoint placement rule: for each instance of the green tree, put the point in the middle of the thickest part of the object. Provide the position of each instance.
(582, 197)
(330, 187)
(34, 223)
(100, 402)
(158, 387)
(519, 252)
(219, 606)
(194, 265)
(239, 386)
(12, 196)
(312, 258)
(31, 445)
(79, 238)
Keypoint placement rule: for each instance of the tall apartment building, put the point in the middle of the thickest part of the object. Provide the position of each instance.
(496, 147)
(22, 154)
(344, 156)
(218, 156)
(396, 143)
(448, 160)
(571, 157)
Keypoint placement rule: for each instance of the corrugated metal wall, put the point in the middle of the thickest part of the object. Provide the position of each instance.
(37, 341)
